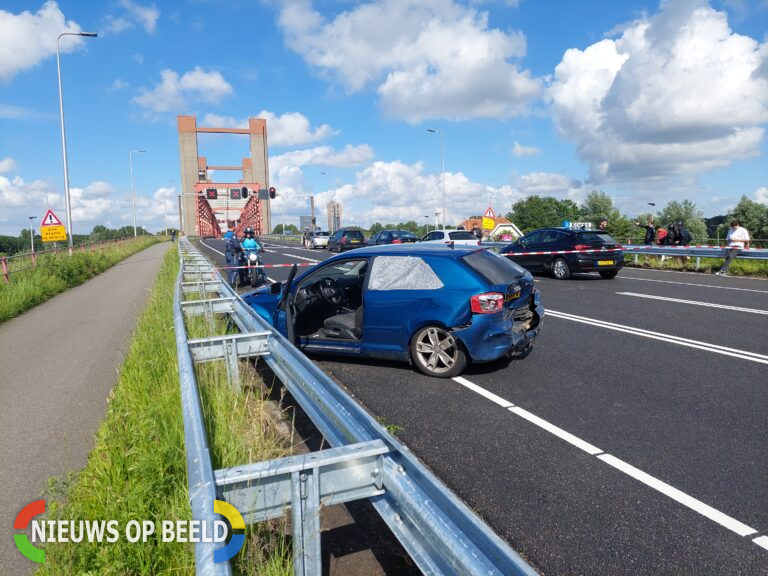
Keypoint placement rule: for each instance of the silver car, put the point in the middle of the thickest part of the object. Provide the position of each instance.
(317, 239)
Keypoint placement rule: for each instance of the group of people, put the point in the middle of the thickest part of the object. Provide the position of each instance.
(675, 234)
(234, 247)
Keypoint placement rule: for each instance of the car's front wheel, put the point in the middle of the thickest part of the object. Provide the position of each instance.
(608, 274)
(437, 353)
(560, 269)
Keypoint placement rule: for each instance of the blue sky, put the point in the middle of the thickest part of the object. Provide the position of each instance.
(647, 101)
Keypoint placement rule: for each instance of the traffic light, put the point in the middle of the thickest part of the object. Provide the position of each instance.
(272, 193)
(244, 192)
(211, 193)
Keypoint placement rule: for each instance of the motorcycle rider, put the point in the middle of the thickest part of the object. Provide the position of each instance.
(250, 243)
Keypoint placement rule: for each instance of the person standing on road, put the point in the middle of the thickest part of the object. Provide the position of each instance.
(173, 236)
(661, 235)
(738, 240)
(650, 232)
(231, 248)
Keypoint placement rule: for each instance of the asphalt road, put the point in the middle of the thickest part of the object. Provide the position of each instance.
(631, 441)
(59, 363)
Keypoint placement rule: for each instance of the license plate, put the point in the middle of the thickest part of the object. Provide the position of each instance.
(605, 262)
(354, 241)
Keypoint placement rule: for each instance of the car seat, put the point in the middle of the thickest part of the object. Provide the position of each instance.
(346, 326)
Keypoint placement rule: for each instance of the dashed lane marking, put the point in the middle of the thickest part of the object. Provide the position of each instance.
(694, 302)
(692, 284)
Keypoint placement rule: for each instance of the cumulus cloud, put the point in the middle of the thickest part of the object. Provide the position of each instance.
(520, 150)
(324, 156)
(29, 38)
(547, 184)
(678, 93)
(133, 14)
(761, 195)
(427, 59)
(7, 165)
(289, 129)
(175, 93)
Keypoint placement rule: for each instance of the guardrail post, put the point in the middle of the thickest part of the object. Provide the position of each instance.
(4, 263)
(305, 520)
(698, 262)
(34, 260)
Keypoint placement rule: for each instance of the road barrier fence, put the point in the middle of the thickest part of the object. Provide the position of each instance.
(439, 531)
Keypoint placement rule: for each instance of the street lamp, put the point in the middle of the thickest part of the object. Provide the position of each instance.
(67, 201)
(133, 194)
(32, 233)
(427, 220)
(652, 205)
(442, 173)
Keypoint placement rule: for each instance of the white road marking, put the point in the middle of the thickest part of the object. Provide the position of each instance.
(292, 256)
(670, 491)
(734, 352)
(483, 392)
(686, 272)
(271, 280)
(691, 284)
(681, 497)
(694, 302)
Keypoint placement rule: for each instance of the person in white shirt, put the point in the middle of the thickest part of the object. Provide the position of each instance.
(738, 239)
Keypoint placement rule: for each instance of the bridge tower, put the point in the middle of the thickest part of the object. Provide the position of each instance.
(205, 212)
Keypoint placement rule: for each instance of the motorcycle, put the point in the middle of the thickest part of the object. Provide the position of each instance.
(253, 272)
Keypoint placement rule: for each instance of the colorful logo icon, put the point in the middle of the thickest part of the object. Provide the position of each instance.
(236, 521)
(22, 521)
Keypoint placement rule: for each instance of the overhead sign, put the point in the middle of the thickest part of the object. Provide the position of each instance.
(51, 228)
(489, 214)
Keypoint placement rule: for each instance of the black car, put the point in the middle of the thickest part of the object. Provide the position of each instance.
(393, 237)
(346, 239)
(562, 251)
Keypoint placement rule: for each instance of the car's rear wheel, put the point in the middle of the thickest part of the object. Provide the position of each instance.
(608, 274)
(560, 269)
(437, 353)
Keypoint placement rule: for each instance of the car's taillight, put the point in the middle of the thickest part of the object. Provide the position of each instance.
(488, 303)
(582, 247)
(396, 241)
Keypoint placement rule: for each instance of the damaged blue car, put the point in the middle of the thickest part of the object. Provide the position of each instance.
(437, 307)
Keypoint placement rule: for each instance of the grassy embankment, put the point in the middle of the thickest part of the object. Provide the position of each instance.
(739, 267)
(137, 469)
(57, 272)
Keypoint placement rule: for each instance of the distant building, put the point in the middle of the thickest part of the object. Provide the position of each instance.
(334, 216)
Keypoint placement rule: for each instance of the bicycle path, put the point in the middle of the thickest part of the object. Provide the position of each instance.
(58, 364)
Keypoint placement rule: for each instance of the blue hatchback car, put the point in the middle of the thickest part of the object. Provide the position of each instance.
(435, 306)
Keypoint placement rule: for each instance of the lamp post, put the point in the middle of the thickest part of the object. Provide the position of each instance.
(652, 205)
(32, 233)
(67, 201)
(133, 193)
(427, 220)
(442, 172)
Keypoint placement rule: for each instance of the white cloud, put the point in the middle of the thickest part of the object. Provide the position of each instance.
(547, 184)
(289, 129)
(675, 95)
(174, 92)
(145, 16)
(520, 150)
(117, 85)
(427, 59)
(761, 195)
(323, 156)
(29, 38)
(7, 165)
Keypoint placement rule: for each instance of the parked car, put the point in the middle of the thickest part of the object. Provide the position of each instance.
(393, 237)
(455, 236)
(317, 239)
(434, 306)
(346, 239)
(604, 253)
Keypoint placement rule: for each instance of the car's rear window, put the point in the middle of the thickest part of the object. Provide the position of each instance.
(494, 268)
(322, 233)
(402, 234)
(595, 238)
(461, 235)
(353, 234)
(402, 273)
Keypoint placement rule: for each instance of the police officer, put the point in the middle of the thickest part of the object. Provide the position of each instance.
(231, 249)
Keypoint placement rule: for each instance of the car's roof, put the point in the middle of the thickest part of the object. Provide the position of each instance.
(569, 230)
(418, 249)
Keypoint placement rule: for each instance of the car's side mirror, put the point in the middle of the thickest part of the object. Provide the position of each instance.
(276, 288)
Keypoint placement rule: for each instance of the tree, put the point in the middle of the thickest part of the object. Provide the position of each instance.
(376, 227)
(541, 212)
(752, 215)
(687, 213)
(598, 205)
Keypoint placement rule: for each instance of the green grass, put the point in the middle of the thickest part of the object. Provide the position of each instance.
(58, 272)
(739, 267)
(137, 469)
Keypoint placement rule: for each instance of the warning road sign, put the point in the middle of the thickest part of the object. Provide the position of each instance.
(489, 213)
(53, 233)
(50, 219)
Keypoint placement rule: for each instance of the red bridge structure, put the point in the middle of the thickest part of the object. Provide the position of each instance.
(206, 205)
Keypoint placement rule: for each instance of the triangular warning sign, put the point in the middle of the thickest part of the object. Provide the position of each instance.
(50, 219)
(489, 213)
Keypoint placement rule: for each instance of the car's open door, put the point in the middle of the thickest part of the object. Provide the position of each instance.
(286, 309)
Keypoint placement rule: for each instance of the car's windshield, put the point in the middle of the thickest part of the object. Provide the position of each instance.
(461, 235)
(494, 268)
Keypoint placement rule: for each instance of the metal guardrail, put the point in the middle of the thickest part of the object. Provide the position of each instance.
(439, 532)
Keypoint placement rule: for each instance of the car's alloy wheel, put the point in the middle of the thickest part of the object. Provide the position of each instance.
(560, 269)
(437, 353)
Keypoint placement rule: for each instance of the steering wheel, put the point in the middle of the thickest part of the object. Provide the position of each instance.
(330, 291)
